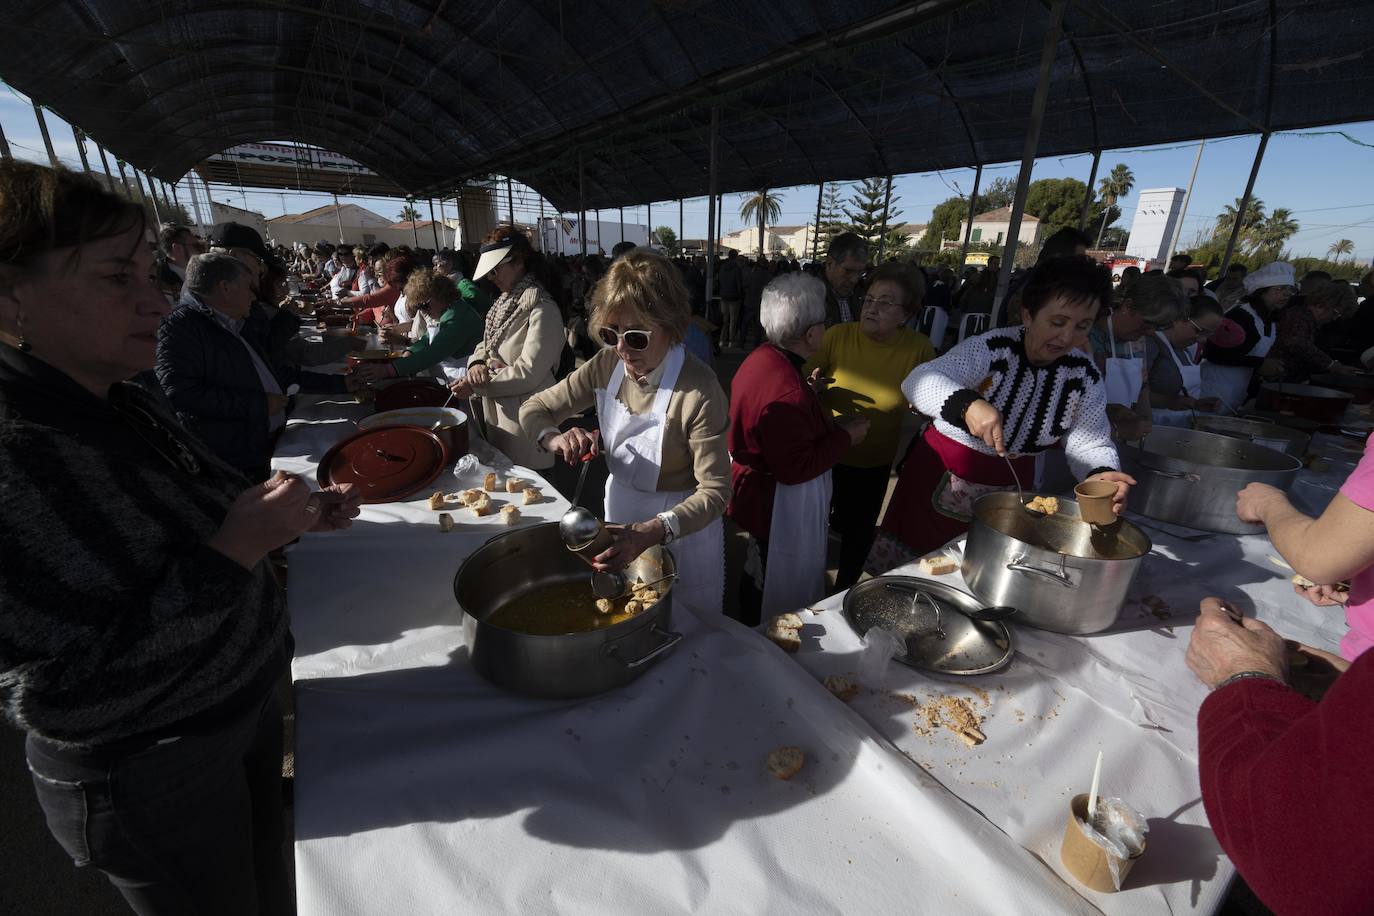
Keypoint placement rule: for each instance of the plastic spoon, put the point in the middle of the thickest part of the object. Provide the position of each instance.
(1092, 792)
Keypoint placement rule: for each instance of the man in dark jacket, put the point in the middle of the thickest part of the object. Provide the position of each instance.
(220, 383)
(731, 298)
(845, 262)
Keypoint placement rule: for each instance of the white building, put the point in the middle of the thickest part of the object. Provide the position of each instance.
(1156, 217)
(992, 228)
(360, 227)
(223, 213)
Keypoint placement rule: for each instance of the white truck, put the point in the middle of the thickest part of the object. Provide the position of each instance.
(563, 235)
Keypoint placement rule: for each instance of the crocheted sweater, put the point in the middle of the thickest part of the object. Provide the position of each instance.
(116, 620)
(1040, 405)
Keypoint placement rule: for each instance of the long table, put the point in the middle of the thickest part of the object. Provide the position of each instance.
(420, 788)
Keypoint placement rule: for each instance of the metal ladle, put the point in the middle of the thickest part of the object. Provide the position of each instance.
(1021, 494)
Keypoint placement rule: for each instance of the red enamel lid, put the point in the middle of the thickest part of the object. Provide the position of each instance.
(390, 464)
(411, 392)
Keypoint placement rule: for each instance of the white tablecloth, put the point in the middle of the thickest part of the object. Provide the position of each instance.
(422, 789)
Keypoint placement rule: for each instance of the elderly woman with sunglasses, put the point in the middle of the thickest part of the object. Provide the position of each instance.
(663, 429)
(867, 360)
(453, 329)
(1173, 364)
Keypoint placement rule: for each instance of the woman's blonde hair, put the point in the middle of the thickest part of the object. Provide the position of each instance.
(425, 286)
(647, 287)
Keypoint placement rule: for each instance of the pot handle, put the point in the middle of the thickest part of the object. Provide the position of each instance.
(1175, 475)
(670, 639)
(1018, 565)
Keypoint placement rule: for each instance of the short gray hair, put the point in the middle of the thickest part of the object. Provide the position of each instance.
(1158, 299)
(205, 272)
(790, 305)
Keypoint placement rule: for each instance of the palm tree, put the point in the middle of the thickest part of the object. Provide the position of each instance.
(1344, 246)
(1111, 189)
(1254, 214)
(1277, 228)
(765, 208)
(408, 214)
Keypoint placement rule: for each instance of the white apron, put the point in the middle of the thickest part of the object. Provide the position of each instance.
(1192, 386)
(1232, 383)
(795, 572)
(633, 445)
(1123, 374)
(452, 368)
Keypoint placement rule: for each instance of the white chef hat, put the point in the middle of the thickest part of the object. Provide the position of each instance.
(1279, 273)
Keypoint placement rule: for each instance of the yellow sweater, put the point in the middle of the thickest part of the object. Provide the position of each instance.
(868, 383)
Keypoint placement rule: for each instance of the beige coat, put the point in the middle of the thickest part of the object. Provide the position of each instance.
(528, 352)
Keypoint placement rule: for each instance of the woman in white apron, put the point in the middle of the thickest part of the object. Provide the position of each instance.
(1154, 303)
(1174, 369)
(782, 447)
(454, 329)
(663, 418)
(1231, 361)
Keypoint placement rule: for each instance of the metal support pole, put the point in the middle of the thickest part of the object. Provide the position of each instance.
(459, 230)
(123, 179)
(149, 196)
(414, 228)
(510, 201)
(138, 183)
(882, 231)
(434, 225)
(47, 140)
(681, 239)
(968, 226)
(816, 235)
(711, 211)
(443, 221)
(597, 219)
(649, 218)
(1244, 205)
(4, 145)
(1088, 194)
(581, 204)
(1187, 196)
(1037, 119)
(622, 224)
(81, 149)
(105, 163)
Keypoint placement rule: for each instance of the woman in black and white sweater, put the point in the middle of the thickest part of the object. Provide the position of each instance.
(142, 633)
(1008, 392)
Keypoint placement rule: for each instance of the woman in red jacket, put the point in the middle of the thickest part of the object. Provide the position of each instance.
(782, 447)
(378, 308)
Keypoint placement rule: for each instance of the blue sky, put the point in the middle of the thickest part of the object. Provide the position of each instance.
(1318, 174)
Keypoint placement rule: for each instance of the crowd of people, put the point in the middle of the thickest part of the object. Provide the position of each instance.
(144, 636)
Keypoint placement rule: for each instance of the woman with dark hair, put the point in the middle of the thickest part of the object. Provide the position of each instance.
(379, 308)
(1228, 366)
(1153, 303)
(1296, 347)
(521, 347)
(1007, 393)
(1174, 368)
(144, 634)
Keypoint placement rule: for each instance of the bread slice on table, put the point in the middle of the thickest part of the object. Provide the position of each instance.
(514, 485)
(786, 638)
(481, 507)
(786, 762)
(532, 495)
(510, 515)
(489, 482)
(841, 687)
(445, 522)
(938, 565)
(437, 500)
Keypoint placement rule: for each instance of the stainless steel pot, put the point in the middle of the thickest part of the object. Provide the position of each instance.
(1191, 478)
(1058, 572)
(1269, 435)
(1325, 405)
(570, 665)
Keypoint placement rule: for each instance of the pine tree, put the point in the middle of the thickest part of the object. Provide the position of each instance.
(865, 210)
(832, 217)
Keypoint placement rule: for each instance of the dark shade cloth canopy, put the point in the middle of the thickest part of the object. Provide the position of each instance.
(430, 95)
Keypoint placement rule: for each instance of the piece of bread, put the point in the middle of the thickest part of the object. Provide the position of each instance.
(514, 485)
(532, 495)
(489, 482)
(437, 500)
(646, 596)
(468, 497)
(788, 621)
(510, 515)
(841, 687)
(938, 565)
(481, 508)
(1046, 504)
(604, 605)
(634, 606)
(786, 638)
(445, 522)
(786, 762)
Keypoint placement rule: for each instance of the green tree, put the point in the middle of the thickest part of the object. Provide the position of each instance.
(1110, 190)
(866, 211)
(407, 214)
(1056, 202)
(1000, 193)
(832, 218)
(763, 207)
(1266, 238)
(1226, 219)
(895, 245)
(944, 223)
(665, 236)
(1344, 246)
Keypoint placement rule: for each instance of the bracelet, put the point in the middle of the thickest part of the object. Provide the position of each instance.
(477, 362)
(1242, 675)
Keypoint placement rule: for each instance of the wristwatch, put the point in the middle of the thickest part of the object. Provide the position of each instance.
(670, 526)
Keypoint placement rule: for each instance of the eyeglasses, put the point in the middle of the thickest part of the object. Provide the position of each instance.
(883, 303)
(1201, 331)
(1160, 325)
(635, 338)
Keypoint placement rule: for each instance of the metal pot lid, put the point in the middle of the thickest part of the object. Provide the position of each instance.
(411, 392)
(907, 610)
(390, 464)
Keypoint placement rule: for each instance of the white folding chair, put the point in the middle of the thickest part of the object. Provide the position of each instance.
(974, 323)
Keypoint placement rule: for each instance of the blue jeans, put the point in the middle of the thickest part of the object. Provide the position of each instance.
(189, 825)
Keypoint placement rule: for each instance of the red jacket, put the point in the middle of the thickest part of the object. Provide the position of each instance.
(779, 431)
(1286, 785)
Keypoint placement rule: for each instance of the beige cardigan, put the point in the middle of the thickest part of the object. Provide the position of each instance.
(694, 445)
(528, 350)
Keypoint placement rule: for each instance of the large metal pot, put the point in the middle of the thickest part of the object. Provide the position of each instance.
(1060, 573)
(1361, 387)
(1325, 405)
(1191, 478)
(573, 664)
(449, 422)
(1269, 435)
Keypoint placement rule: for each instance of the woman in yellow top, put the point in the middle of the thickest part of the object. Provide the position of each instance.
(663, 421)
(867, 360)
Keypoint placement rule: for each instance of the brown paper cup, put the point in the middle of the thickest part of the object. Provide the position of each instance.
(1095, 501)
(1085, 860)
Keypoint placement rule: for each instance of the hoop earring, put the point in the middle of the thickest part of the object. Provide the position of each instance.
(24, 346)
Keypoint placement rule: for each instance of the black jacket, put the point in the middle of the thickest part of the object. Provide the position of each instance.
(211, 381)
